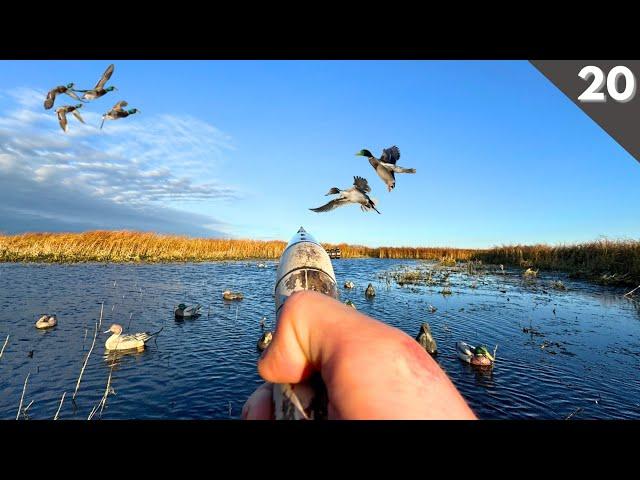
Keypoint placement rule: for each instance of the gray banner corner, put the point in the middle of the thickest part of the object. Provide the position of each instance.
(620, 117)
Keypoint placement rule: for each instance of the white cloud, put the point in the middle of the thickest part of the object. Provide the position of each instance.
(142, 163)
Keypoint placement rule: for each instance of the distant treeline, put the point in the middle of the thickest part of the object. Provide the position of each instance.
(608, 261)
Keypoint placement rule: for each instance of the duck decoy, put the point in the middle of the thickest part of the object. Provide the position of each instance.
(432, 309)
(356, 194)
(62, 115)
(229, 295)
(47, 321)
(425, 338)
(349, 284)
(351, 304)
(370, 292)
(385, 166)
(99, 90)
(117, 112)
(184, 311)
(135, 341)
(265, 340)
(60, 89)
(478, 356)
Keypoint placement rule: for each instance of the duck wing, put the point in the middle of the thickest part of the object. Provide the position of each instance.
(73, 95)
(77, 115)
(62, 118)
(390, 155)
(51, 98)
(333, 204)
(118, 106)
(105, 77)
(392, 167)
(361, 184)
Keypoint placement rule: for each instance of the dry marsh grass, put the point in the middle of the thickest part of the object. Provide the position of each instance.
(607, 261)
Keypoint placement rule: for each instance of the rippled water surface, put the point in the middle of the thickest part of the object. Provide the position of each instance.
(583, 354)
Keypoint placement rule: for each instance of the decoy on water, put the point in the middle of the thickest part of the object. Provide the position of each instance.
(62, 115)
(229, 295)
(385, 166)
(356, 194)
(184, 311)
(60, 89)
(117, 341)
(478, 356)
(265, 340)
(47, 321)
(99, 90)
(118, 111)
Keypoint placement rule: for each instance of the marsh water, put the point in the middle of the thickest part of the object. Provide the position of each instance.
(560, 352)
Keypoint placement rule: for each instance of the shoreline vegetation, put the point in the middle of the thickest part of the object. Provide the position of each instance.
(614, 262)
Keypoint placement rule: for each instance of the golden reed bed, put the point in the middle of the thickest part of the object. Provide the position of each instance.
(606, 260)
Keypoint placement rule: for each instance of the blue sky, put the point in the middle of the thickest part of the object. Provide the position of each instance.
(245, 148)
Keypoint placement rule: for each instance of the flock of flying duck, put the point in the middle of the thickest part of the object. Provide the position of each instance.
(99, 90)
(385, 167)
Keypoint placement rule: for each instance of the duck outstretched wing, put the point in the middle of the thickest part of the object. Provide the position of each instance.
(361, 184)
(120, 105)
(62, 118)
(105, 77)
(333, 204)
(390, 155)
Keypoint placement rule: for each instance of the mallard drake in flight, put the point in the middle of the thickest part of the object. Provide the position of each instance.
(355, 194)
(60, 89)
(99, 90)
(385, 166)
(118, 112)
(117, 341)
(62, 114)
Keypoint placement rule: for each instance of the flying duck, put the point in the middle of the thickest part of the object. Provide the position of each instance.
(99, 90)
(385, 166)
(60, 89)
(355, 194)
(118, 112)
(62, 114)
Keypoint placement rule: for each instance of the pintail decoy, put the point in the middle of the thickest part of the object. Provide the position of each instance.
(117, 341)
(62, 115)
(60, 89)
(47, 321)
(385, 166)
(99, 90)
(356, 194)
(118, 112)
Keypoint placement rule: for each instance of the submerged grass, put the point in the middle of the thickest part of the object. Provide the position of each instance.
(606, 261)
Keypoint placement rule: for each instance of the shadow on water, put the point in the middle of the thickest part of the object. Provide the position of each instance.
(555, 347)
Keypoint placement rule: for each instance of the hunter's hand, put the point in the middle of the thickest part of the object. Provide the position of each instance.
(371, 370)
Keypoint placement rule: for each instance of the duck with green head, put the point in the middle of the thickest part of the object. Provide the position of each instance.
(99, 90)
(60, 89)
(118, 111)
(385, 166)
(478, 356)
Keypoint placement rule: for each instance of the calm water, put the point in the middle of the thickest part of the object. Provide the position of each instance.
(206, 367)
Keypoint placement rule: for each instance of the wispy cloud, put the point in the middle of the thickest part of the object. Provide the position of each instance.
(131, 171)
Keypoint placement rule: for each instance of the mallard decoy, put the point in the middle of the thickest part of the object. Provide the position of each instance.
(349, 284)
(62, 115)
(265, 340)
(370, 292)
(60, 89)
(356, 194)
(99, 90)
(118, 112)
(229, 295)
(425, 338)
(385, 166)
(47, 321)
(117, 341)
(478, 356)
(184, 311)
